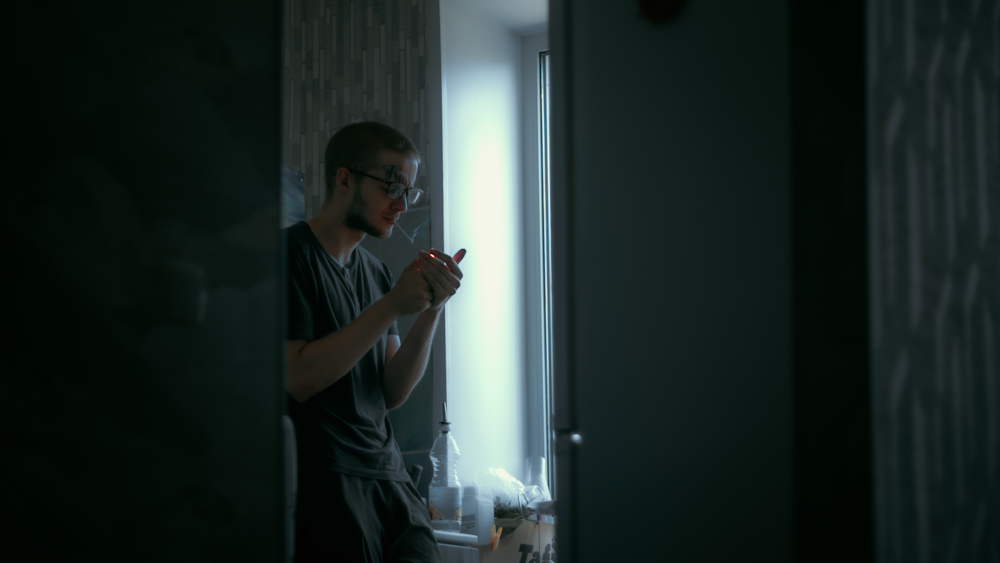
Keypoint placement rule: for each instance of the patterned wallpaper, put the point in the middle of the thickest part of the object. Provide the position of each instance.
(934, 218)
(349, 61)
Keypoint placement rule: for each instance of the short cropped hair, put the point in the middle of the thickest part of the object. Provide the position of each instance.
(357, 146)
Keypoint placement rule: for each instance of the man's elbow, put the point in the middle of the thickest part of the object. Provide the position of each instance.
(297, 389)
(394, 402)
(296, 385)
(299, 397)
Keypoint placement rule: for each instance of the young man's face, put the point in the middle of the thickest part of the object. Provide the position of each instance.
(371, 209)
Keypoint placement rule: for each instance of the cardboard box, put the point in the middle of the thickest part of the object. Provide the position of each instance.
(530, 542)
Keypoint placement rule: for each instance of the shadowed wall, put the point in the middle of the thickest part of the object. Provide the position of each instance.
(833, 484)
(142, 354)
(672, 282)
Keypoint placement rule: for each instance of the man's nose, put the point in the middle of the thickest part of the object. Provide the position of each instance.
(399, 204)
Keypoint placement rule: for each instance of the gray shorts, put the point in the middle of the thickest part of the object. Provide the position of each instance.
(345, 518)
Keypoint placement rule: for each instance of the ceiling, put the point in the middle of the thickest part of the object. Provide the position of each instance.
(520, 16)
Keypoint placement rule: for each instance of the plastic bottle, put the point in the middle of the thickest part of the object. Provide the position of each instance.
(536, 488)
(445, 502)
(537, 477)
(477, 513)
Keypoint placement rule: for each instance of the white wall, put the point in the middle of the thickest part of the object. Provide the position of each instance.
(483, 213)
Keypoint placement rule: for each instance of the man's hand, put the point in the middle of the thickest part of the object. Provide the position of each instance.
(438, 274)
(412, 293)
(442, 273)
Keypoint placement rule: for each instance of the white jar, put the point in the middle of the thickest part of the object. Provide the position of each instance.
(477, 514)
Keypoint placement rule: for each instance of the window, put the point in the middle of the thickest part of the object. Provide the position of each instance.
(543, 384)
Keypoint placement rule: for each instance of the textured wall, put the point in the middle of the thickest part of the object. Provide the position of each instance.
(349, 61)
(141, 357)
(934, 212)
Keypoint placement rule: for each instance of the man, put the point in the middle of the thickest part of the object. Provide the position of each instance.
(346, 365)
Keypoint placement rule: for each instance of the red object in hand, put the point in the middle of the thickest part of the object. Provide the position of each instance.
(658, 11)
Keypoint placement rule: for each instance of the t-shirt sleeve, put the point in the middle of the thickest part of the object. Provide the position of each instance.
(300, 318)
(389, 283)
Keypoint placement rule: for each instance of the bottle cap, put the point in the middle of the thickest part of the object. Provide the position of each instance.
(470, 491)
(445, 425)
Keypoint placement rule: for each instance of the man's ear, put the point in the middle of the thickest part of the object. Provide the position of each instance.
(343, 180)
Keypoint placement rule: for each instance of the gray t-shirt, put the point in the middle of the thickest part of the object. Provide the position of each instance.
(344, 428)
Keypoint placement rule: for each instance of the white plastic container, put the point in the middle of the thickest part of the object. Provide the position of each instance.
(445, 492)
(477, 514)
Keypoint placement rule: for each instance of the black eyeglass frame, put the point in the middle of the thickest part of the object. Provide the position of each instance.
(395, 186)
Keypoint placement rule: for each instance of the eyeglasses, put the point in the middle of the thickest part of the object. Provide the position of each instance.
(396, 189)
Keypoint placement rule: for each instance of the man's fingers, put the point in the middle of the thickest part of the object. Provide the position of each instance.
(451, 263)
(436, 277)
(437, 293)
(447, 276)
(431, 273)
(415, 265)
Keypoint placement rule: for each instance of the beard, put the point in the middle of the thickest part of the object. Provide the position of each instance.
(357, 217)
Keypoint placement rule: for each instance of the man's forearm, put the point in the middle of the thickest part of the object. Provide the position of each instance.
(321, 363)
(407, 366)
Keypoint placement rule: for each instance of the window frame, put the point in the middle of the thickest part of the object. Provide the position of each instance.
(539, 439)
